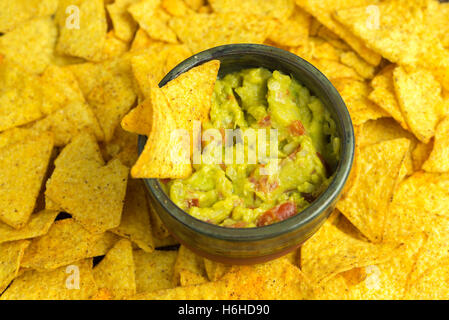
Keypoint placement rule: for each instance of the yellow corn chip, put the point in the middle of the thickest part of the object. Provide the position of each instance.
(212, 30)
(123, 146)
(322, 11)
(153, 19)
(195, 4)
(437, 14)
(91, 193)
(116, 271)
(124, 24)
(334, 69)
(31, 44)
(135, 224)
(38, 225)
(14, 136)
(338, 247)
(11, 254)
(139, 119)
(335, 288)
(292, 32)
(163, 156)
(14, 12)
(159, 230)
(108, 88)
(154, 271)
(368, 201)
(66, 242)
(20, 97)
(355, 96)
(419, 96)
(113, 47)
(82, 28)
(166, 242)
(73, 282)
(280, 9)
(316, 49)
(352, 60)
(142, 40)
(384, 96)
(421, 153)
(188, 261)
(23, 167)
(66, 123)
(82, 147)
(439, 157)
(215, 270)
(176, 8)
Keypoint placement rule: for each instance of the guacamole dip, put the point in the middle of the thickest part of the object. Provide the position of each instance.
(240, 194)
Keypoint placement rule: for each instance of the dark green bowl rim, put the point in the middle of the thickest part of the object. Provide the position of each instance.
(304, 217)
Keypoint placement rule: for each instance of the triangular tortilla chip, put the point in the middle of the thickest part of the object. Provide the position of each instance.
(279, 9)
(188, 261)
(11, 254)
(22, 170)
(124, 24)
(139, 120)
(438, 160)
(116, 271)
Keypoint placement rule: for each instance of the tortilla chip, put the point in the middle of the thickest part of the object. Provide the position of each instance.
(338, 247)
(66, 123)
(352, 60)
(176, 8)
(438, 160)
(102, 245)
(65, 242)
(385, 96)
(162, 157)
(91, 193)
(401, 36)
(108, 88)
(335, 288)
(154, 271)
(355, 95)
(215, 270)
(139, 119)
(38, 225)
(86, 38)
(142, 40)
(334, 69)
(135, 224)
(216, 29)
(31, 44)
(153, 19)
(23, 168)
(195, 4)
(53, 285)
(416, 204)
(292, 31)
(160, 231)
(274, 280)
(421, 153)
(82, 147)
(20, 96)
(124, 24)
(164, 243)
(14, 136)
(11, 254)
(368, 201)
(419, 96)
(188, 261)
(315, 49)
(116, 271)
(279, 9)
(322, 11)
(123, 146)
(15, 12)
(113, 47)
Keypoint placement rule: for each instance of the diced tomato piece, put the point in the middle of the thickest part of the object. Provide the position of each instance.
(266, 186)
(193, 203)
(297, 128)
(278, 213)
(265, 122)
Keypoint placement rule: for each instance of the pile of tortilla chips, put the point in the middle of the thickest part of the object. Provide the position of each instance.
(78, 83)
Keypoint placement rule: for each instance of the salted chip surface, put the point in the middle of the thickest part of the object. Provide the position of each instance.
(72, 282)
(66, 242)
(338, 246)
(355, 95)
(353, 60)
(315, 49)
(419, 96)
(293, 31)
(322, 11)
(123, 22)
(93, 194)
(123, 146)
(31, 44)
(438, 160)
(38, 225)
(166, 154)
(11, 254)
(216, 29)
(417, 204)
(69, 121)
(280, 9)
(384, 95)
(135, 223)
(139, 119)
(116, 271)
(108, 88)
(153, 19)
(15, 12)
(103, 244)
(215, 270)
(20, 96)
(82, 28)
(368, 201)
(23, 168)
(154, 271)
(190, 262)
(82, 147)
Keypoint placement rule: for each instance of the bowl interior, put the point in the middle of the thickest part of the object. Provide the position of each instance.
(240, 56)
